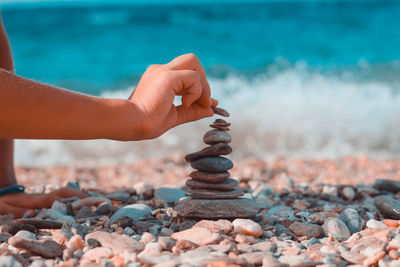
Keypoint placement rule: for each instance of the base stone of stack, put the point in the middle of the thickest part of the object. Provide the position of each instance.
(217, 208)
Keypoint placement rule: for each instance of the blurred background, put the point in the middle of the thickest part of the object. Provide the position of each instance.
(301, 78)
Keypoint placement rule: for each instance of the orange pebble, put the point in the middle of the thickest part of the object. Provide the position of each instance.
(118, 261)
(391, 223)
(116, 203)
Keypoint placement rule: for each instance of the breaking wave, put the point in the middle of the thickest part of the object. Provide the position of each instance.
(294, 112)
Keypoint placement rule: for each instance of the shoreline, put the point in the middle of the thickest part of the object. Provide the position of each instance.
(172, 171)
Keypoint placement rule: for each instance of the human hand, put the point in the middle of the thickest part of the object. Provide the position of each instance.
(154, 96)
(20, 204)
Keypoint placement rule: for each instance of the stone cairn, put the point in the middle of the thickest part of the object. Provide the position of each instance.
(211, 192)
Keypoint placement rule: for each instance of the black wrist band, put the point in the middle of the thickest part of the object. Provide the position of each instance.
(17, 188)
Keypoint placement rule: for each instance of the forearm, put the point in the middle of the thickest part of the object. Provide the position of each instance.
(31, 110)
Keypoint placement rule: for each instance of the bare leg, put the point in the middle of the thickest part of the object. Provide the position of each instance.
(7, 174)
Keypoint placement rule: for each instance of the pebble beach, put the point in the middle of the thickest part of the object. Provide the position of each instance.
(337, 212)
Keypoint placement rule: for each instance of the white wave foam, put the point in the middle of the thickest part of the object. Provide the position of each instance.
(294, 112)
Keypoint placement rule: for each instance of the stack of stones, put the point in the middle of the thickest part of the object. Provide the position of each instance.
(212, 193)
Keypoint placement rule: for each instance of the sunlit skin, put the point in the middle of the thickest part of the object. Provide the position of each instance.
(32, 110)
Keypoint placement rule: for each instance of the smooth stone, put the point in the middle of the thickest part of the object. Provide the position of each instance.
(223, 124)
(46, 248)
(336, 228)
(215, 136)
(298, 260)
(220, 226)
(119, 196)
(41, 223)
(103, 209)
(213, 150)
(169, 194)
(219, 128)
(220, 111)
(247, 227)
(212, 164)
(144, 189)
(214, 194)
(387, 206)
(228, 184)
(351, 218)
(134, 211)
(209, 177)
(255, 258)
(283, 212)
(89, 201)
(75, 243)
(375, 224)
(12, 228)
(220, 121)
(306, 229)
(97, 254)
(348, 193)
(84, 212)
(9, 261)
(217, 209)
(116, 242)
(60, 207)
(26, 234)
(198, 235)
(387, 185)
(166, 242)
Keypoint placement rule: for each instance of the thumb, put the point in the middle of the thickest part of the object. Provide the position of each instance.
(192, 113)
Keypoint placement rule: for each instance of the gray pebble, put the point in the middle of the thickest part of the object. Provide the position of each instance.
(352, 220)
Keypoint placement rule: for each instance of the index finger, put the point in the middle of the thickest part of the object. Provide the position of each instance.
(191, 62)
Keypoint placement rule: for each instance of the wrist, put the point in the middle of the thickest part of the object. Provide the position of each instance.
(125, 120)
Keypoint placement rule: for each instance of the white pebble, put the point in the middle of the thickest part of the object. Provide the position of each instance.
(247, 227)
(147, 238)
(374, 224)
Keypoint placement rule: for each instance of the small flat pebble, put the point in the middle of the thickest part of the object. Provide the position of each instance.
(168, 194)
(198, 235)
(215, 136)
(118, 243)
(144, 189)
(228, 184)
(220, 111)
(348, 193)
(119, 196)
(9, 261)
(219, 226)
(97, 254)
(306, 229)
(134, 211)
(247, 227)
(45, 248)
(217, 149)
(283, 212)
(387, 185)
(374, 224)
(352, 220)
(209, 177)
(25, 234)
(166, 243)
(212, 164)
(388, 206)
(336, 228)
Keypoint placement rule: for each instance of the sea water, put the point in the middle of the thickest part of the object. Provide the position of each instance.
(300, 78)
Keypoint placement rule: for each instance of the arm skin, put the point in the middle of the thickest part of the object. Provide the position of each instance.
(37, 111)
(7, 175)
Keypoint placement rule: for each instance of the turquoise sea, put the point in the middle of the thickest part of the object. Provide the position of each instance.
(304, 77)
